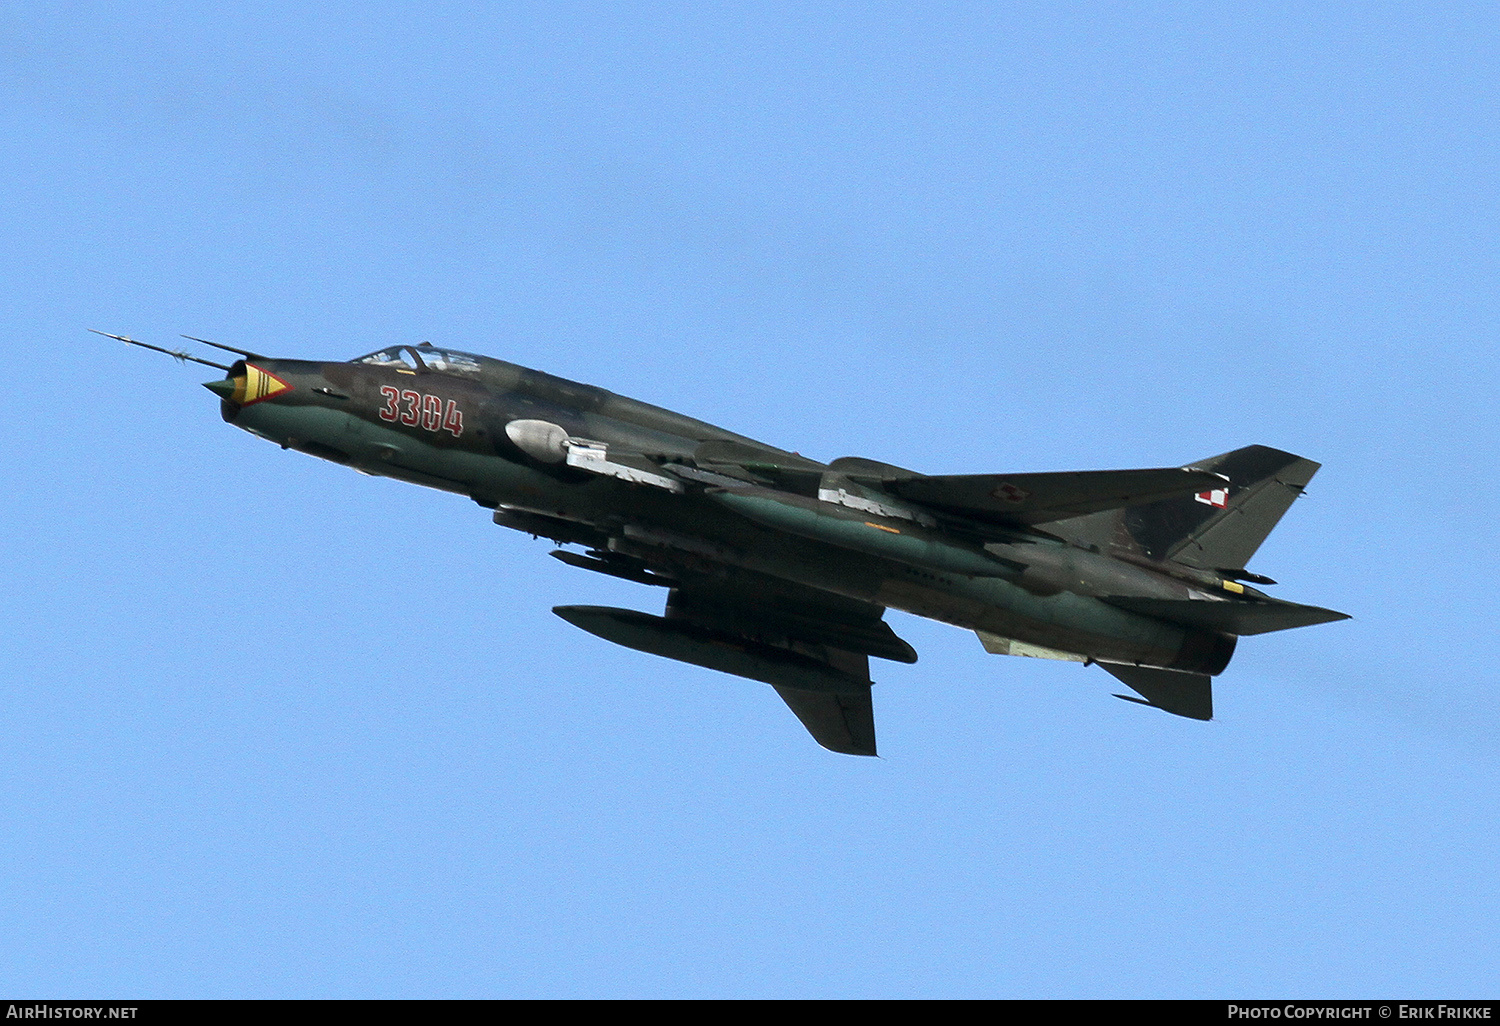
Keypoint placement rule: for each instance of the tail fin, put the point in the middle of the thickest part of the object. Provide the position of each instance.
(1264, 483)
(1216, 530)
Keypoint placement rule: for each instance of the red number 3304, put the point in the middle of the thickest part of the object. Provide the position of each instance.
(414, 408)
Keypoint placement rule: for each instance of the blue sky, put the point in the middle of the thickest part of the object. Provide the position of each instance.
(273, 728)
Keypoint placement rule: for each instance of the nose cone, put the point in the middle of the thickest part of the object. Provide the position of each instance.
(248, 384)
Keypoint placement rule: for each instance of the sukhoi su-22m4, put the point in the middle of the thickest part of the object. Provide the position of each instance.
(779, 568)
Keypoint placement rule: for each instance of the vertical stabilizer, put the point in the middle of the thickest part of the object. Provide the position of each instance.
(1217, 530)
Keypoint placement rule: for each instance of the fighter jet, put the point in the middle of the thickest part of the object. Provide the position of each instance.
(779, 568)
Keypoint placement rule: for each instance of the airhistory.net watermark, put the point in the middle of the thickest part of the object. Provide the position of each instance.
(40, 1010)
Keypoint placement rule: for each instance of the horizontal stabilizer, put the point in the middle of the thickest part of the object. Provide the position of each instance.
(1236, 616)
(1040, 498)
(1182, 694)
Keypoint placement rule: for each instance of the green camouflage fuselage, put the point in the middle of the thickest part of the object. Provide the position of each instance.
(732, 506)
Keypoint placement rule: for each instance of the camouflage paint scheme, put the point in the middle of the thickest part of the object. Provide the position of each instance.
(780, 568)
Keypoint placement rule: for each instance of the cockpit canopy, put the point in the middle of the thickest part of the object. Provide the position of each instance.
(446, 361)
